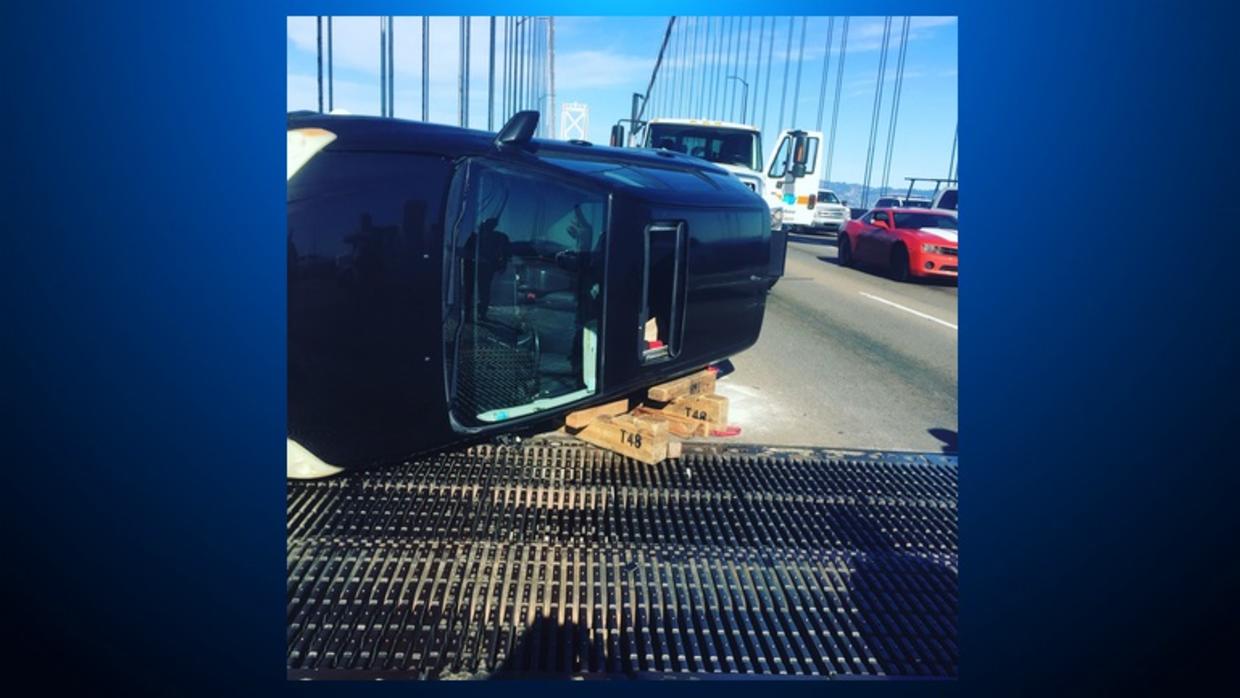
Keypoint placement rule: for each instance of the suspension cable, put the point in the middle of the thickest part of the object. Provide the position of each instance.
(835, 105)
(667, 33)
(770, 59)
(796, 92)
(826, 70)
(895, 104)
(878, 104)
(783, 100)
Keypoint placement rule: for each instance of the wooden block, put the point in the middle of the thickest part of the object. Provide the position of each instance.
(677, 425)
(641, 438)
(700, 383)
(580, 418)
(707, 409)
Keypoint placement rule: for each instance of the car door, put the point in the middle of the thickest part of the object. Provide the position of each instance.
(869, 240)
(879, 239)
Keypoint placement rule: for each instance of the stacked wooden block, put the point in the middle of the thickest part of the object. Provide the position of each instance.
(650, 431)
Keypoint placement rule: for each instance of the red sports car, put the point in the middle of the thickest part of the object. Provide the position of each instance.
(906, 241)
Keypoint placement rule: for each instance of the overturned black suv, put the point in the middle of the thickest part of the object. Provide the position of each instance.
(446, 284)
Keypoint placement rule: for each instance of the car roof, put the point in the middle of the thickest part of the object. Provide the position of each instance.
(914, 209)
(580, 160)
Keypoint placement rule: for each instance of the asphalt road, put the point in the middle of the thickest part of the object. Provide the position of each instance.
(849, 359)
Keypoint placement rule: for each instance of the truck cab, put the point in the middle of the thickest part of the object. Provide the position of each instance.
(796, 194)
(735, 147)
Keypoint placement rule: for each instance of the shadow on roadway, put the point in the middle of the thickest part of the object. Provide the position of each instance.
(947, 436)
(813, 239)
(940, 281)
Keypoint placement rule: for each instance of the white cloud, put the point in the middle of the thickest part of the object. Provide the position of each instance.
(584, 69)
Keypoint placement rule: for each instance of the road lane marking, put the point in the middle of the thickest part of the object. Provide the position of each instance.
(909, 310)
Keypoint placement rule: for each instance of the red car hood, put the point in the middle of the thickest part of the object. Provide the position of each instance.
(934, 236)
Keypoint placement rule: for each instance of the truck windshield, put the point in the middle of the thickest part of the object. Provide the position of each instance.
(826, 197)
(726, 146)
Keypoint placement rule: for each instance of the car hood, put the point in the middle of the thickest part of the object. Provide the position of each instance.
(937, 234)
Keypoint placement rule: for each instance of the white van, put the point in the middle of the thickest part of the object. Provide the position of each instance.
(799, 198)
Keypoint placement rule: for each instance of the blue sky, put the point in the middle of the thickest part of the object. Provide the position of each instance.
(601, 61)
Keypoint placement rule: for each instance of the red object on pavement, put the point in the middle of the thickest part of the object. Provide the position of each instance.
(729, 430)
(654, 344)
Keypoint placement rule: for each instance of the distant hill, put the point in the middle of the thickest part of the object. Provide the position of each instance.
(851, 192)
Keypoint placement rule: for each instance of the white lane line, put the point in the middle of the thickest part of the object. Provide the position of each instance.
(909, 310)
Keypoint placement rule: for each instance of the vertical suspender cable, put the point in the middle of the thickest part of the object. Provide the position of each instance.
(426, 60)
(678, 62)
(520, 74)
(509, 66)
(826, 71)
(766, 85)
(716, 88)
(951, 163)
(835, 105)
(555, 118)
(705, 87)
(331, 102)
(383, 66)
(319, 57)
(460, 71)
(783, 99)
(745, 71)
(796, 91)
(705, 70)
(726, 88)
(693, 66)
(757, 73)
(392, 66)
(491, 79)
(893, 119)
(878, 105)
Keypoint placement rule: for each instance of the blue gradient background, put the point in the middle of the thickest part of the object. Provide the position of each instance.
(144, 308)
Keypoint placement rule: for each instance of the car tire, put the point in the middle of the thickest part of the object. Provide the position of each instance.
(899, 264)
(844, 251)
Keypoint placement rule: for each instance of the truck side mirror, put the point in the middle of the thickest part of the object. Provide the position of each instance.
(617, 136)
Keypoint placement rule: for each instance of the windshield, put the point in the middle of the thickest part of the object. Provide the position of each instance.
(827, 197)
(915, 221)
(917, 203)
(726, 146)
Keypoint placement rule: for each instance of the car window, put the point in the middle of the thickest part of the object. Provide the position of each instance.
(948, 200)
(880, 216)
(915, 221)
(828, 197)
(527, 281)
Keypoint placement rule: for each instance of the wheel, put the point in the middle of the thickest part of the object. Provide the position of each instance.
(845, 251)
(899, 264)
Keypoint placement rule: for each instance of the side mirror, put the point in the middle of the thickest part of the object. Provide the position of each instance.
(617, 136)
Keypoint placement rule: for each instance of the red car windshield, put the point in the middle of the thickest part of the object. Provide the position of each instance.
(915, 221)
